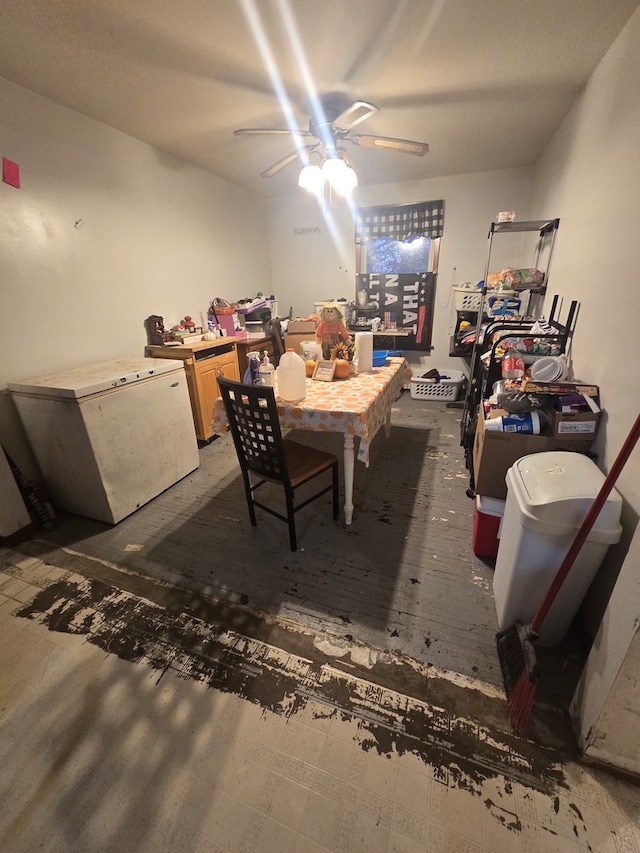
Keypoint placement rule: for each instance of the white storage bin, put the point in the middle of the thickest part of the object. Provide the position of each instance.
(465, 299)
(445, 389)
(548, 497)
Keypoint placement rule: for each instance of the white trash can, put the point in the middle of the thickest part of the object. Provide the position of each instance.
(548, 497)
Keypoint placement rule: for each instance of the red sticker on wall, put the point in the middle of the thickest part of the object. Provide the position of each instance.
(10, 173)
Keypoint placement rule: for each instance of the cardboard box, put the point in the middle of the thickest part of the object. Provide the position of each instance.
(302, 327)
(295, 341)
(532, 387)
(495, 452)
(577, 424)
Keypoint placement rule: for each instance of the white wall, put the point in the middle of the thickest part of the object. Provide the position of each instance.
(313, 253)
(590, 177)
(105, 231)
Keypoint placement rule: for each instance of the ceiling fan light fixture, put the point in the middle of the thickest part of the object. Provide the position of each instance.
(349, 182)
(326, 160)
(333, 169)
(311, 178)
(341, 177)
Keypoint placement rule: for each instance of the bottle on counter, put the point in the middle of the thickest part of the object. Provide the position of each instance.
(266, 370)
(291, 377)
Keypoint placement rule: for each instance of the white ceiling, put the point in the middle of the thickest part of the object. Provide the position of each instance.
(485, 82)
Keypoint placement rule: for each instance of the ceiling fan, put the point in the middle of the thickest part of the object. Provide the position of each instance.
(330, 128)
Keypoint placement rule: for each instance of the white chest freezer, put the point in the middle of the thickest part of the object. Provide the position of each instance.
(109, 437)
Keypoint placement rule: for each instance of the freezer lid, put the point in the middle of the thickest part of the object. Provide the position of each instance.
(78, 382)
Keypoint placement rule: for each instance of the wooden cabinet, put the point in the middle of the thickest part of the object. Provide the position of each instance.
(204, 362)
(206, 380)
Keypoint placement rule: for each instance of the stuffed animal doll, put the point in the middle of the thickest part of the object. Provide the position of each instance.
(331, 329)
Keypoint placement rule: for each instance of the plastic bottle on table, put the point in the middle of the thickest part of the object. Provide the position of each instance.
(291, 377)
(252, 373)
(512, 364)
(266, 371)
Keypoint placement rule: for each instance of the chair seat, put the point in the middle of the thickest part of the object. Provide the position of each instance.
(304, 462)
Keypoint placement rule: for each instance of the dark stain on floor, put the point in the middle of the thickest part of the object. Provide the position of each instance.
(464, 752)
(507, 818)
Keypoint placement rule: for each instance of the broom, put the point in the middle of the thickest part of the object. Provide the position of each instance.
(516, 644)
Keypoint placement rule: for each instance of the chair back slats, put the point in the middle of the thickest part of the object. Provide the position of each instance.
(255, 427)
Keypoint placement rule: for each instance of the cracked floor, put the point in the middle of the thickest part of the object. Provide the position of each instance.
(129, 724)
(182, 682)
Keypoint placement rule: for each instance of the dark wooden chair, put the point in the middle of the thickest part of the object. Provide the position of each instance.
(278, 340)
(262, 451)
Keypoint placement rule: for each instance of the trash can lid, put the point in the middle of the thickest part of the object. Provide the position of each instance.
(556, 488)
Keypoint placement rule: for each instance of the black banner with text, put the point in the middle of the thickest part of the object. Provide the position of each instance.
(404, 302)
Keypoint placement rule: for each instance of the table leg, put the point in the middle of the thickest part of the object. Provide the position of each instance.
(387, 425)
(349, 461)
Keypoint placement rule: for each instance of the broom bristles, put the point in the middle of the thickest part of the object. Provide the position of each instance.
(516, 653)
(521, 704)
(511, 657)
(517, 657)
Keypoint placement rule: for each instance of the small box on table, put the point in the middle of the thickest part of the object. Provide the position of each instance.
(301, 327)
(297, 332)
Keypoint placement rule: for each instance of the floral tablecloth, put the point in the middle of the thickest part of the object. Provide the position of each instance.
(358, 405)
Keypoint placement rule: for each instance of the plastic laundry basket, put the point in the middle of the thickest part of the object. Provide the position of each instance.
(445, 389)
(548, 496)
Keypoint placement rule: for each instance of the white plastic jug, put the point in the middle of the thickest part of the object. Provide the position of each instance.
(291, 377)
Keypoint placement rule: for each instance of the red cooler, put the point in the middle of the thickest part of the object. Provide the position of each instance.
(486, 524)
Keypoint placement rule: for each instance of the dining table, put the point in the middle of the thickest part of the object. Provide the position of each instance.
(356, 407)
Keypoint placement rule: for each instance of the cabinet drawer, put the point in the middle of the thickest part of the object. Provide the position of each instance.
(219, 351)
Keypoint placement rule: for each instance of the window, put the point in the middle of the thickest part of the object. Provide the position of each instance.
(386, 255)
(397, 261)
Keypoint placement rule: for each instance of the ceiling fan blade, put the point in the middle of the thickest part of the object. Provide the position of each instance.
(358, 111)
(405, 146)
(273, 170)
(269, 131)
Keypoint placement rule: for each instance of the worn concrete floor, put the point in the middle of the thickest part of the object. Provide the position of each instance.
(181, 681)
(402, 579)
(130, 725)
